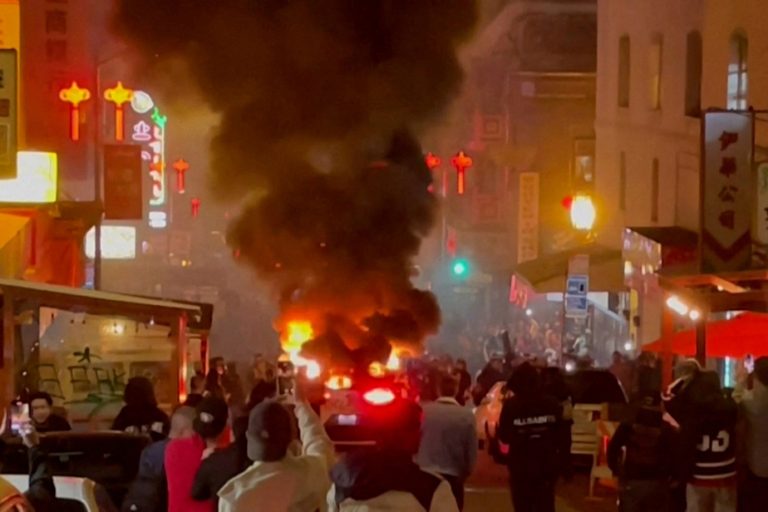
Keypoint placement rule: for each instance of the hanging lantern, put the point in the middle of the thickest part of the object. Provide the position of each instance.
(119, 95)
(433, 161)
(181, 167)
(195, 204)
(74, 95)
(461, 162)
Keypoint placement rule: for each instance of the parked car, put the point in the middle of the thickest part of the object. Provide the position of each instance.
(110, 459)
(72, 494)
(487, 416)
(597, 394)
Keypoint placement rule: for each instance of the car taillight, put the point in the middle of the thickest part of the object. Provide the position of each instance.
(379, 396)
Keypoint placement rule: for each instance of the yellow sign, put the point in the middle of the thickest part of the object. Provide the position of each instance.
(36, 180)
(10, 24)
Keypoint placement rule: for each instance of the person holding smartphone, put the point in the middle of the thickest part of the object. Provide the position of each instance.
(42, 415)
(41, 493)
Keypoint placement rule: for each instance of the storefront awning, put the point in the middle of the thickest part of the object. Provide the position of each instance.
(547, 274)
(96, 302)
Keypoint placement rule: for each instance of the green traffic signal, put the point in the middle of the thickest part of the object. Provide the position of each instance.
(460, 268)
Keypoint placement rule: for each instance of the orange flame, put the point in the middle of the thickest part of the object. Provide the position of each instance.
(337, 382)
(296, 334)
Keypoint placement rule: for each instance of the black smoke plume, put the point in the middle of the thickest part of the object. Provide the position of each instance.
(321, 104)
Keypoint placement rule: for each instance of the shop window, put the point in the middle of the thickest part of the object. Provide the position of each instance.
(655, 191)
(624, 71)
(737, 73)
(56, 50)
(622, 181)
(655, 71)
(84, 362)
(56, 22)
(693, 70)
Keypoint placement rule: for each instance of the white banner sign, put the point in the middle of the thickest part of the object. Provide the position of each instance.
(726, 211)
(528, 217)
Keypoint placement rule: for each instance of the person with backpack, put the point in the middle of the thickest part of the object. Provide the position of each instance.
(642, 454)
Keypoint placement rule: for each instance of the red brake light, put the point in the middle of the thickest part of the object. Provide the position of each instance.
(379, 396)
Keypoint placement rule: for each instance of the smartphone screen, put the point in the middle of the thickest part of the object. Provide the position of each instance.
(286, 374)
(19, 417)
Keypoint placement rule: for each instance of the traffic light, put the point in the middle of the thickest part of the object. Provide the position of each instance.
(460, 268)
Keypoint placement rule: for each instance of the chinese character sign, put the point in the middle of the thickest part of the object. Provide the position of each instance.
(122, 182)
(726, 209)
(8, 113)
(528, 217)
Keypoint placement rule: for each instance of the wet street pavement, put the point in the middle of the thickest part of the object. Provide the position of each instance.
(487, 491)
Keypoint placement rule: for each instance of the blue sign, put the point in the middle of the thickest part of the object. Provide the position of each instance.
(577, 285)
(576, 306)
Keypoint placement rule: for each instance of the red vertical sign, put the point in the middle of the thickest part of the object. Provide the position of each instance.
(122, 182)
(727, 191)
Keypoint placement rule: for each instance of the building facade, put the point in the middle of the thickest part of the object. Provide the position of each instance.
(660, 64)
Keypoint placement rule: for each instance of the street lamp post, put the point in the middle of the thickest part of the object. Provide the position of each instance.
(97, 177)
(582, 215)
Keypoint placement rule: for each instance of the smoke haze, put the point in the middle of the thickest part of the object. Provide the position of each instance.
(321, 103)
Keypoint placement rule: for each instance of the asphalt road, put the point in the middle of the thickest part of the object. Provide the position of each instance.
(487, 492)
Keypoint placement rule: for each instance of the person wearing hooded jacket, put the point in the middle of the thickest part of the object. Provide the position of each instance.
(386, 478)
(643, 454)
(530, 424)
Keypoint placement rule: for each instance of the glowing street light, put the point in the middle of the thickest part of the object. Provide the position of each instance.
(119, 95)
(583, 213)
(461, 162)
(678, 306)
(181, 167)
(74, 95)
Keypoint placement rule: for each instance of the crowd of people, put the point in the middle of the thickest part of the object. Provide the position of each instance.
(694, 447)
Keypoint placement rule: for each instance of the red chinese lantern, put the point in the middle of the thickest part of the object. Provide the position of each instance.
(567, 202)
(433, 161)
(195, 203)
(461, 162)
(181, 167)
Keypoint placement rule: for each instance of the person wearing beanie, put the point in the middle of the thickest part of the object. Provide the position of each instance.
(386, 477)
(753, 494)
(277, 480)
(530, 423)
(183, 457)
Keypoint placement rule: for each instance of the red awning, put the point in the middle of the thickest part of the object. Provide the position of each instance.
(745, 334)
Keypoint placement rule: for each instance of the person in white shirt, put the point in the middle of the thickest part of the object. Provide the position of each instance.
(448, 438)
(278, 481)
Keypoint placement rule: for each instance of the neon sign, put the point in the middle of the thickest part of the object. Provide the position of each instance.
(74, 95)
(119, 95)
